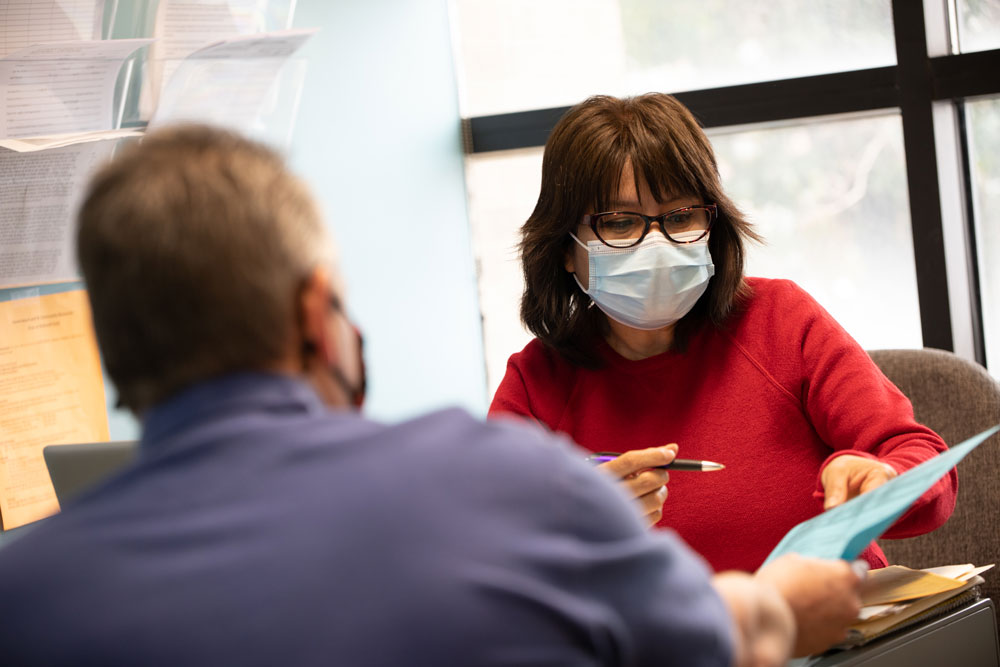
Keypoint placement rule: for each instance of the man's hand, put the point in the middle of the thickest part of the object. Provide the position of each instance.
(824, 595)
(848, 476)
(764, 627)
(648, 487)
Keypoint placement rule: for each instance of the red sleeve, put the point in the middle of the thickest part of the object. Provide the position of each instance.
(512, 394)
(536, 386)
(857, 410)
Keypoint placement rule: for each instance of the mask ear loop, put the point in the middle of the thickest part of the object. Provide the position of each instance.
(355, 392)
(578, 283)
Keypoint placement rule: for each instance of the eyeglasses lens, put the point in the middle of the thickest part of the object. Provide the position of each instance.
(622, 230)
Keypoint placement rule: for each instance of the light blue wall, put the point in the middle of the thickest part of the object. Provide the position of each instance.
(378, 138)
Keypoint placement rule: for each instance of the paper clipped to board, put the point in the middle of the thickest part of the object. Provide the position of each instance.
(62, 87)
(27, 22)
(39, 193)
(845, 530)
(230, 83)
(53, 393)
(182, 27)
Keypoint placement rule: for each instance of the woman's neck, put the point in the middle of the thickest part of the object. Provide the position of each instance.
(636, 344)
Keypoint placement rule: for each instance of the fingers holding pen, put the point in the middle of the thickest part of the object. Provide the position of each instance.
(651, 504)
(638, 460)
(646, 484)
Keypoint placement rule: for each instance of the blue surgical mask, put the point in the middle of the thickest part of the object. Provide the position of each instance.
(650, 285)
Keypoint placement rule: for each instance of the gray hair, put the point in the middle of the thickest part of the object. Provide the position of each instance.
(194, 244)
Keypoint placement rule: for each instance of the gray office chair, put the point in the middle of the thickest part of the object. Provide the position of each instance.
(958, 399)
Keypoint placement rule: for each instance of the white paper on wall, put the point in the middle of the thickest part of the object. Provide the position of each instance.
(24, 23)
(61, 87)
(229, 83)
(39, 195)
(184, 26)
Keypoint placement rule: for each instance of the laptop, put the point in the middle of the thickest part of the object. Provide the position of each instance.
(76, 468)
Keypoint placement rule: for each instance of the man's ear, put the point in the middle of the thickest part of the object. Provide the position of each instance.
(314, 310)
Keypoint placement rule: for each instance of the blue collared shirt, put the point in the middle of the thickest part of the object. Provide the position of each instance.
(258, 527)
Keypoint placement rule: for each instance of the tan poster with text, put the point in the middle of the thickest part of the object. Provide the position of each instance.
(51, 392)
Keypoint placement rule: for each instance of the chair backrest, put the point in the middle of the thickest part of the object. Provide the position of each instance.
(958, 399)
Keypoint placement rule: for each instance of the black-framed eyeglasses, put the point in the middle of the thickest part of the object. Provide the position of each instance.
(624, 229)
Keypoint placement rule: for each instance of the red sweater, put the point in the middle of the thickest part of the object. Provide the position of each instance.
(774, 396)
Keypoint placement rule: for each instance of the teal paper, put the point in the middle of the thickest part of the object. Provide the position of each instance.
(845, 530)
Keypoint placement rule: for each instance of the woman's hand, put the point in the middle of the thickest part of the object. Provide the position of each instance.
(648, 487)
(848, 476)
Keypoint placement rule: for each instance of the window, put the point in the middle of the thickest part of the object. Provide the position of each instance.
(524, 54)
(984, 140)
(830, 200)
(502, 188)
(978, 25)
(821, 115)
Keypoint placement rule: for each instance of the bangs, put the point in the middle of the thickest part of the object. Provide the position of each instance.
(668, 175)
(655, 157)
(607, 180)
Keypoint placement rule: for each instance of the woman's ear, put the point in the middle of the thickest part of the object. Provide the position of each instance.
(570, 258)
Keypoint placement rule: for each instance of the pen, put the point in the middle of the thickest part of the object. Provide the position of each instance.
(676, 464)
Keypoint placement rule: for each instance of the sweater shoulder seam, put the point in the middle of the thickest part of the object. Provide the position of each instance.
(763, 371)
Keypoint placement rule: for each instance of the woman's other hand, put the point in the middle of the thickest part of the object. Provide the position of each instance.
(647, 485)
(848, 476)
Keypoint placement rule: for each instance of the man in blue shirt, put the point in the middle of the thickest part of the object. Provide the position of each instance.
(266, 522)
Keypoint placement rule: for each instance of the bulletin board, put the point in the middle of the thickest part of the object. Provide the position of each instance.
(78, 78)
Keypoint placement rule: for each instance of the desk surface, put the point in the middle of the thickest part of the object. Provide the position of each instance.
(966, 636)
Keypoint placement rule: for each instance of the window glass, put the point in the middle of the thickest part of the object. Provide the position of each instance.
(983, 119)
(502, 189)
(525, 54)
(978, 25)
(829, 197)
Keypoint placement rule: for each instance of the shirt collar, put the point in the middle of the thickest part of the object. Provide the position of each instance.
(227, 396)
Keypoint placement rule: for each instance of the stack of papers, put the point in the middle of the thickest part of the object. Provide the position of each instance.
(895, 596)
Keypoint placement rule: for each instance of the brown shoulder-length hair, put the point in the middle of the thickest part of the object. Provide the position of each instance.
(582, 168)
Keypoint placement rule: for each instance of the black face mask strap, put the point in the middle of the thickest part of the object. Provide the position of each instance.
(355, 393)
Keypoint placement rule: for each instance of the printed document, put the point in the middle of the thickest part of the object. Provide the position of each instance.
(24, 23)
(52, 392)
(32, 144)
(39, 195)
(229, 83)
(184, 26)
(61, 87)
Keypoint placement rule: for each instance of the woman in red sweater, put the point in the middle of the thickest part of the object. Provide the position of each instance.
(648, 333)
